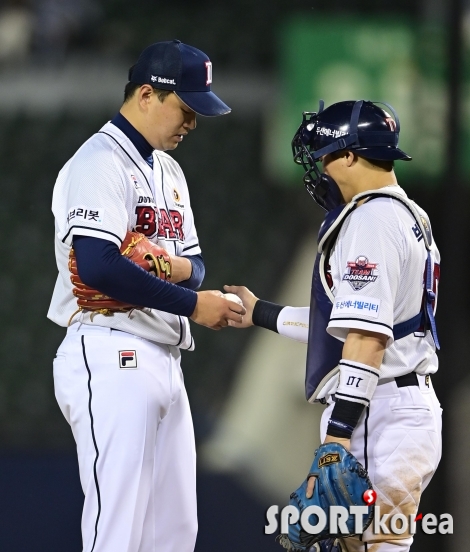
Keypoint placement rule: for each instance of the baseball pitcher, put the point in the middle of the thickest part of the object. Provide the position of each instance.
(129, 265)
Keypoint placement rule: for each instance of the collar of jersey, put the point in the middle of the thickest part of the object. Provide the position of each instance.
(140, 143)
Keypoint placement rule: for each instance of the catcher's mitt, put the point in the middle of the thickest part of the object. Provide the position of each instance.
(137, 248)
(340, 481)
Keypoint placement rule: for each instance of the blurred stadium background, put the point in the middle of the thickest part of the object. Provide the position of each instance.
(63, 67)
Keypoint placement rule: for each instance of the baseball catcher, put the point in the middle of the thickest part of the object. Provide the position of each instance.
(370, 329)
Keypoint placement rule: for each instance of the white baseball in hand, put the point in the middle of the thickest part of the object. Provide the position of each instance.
(234, 298)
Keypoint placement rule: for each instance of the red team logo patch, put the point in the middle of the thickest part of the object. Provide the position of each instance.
(127, 359)
(360, 272)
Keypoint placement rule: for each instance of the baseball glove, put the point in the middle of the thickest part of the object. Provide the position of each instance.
(340, 481)
(138, 249)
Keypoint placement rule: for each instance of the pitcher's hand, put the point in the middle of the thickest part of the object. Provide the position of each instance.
(214, 311)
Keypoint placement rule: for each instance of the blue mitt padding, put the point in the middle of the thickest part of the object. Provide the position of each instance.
(341, 481)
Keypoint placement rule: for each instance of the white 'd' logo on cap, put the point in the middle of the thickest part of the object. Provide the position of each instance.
(209, 72)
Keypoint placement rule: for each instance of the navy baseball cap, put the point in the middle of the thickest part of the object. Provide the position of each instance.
(184, 69)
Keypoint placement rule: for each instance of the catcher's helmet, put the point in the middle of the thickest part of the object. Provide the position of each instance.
(358, 126)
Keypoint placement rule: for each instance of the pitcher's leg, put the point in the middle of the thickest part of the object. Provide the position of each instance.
(114, 414)
(171, 520)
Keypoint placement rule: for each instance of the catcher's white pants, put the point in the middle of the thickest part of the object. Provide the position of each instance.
(135, 441)
(398, 440)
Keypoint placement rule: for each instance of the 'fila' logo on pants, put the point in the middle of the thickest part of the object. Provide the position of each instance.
(127, 359)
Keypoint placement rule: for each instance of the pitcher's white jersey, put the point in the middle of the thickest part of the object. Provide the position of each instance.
(373, 266)
(103, 191)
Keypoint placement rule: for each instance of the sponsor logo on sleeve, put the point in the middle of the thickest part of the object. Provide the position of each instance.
(295, 323)
(360, 273)
(85, 214)
(357, 305)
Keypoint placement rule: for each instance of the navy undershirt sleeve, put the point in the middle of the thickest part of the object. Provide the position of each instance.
(197, 275)
(101, 266)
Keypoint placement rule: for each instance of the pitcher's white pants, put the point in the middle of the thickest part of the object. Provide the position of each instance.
(398, 441)
(135, 441)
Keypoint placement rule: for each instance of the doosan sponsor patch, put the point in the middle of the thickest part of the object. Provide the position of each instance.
(356, 305)
(127, 359)
(360, 272)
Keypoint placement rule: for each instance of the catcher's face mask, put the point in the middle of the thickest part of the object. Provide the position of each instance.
(359, 126)
(322, 188)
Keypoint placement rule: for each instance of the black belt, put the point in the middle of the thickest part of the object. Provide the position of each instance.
(407, 380)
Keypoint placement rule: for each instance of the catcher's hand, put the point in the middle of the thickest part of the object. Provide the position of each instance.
(249, 301)
(138, 249)
(340, 481)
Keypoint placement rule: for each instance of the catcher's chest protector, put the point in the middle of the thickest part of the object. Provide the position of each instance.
(324, 351)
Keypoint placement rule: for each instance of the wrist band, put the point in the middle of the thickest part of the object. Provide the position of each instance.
(344, 418)
(265, 314)
(357, 381)
(339, 429)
